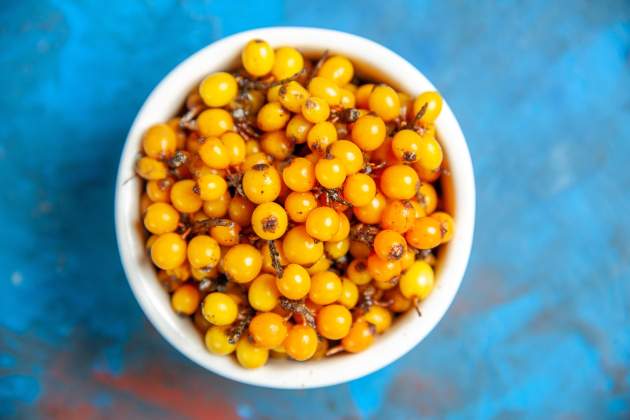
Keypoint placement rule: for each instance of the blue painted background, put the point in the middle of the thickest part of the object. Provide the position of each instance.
(541, 326)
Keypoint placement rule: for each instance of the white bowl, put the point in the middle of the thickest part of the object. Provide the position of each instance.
(164, 102)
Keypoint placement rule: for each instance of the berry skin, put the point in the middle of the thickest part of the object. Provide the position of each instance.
(322, 223)
(315, 110)
(261, 183)
(359, 189)
(160, 191)
(389, 245)
(300, 248)
(242, 263)
(301, 342)
(214, 122)
(297, 129)
(326, 89)
(430, 153)
(159, 141)
(161, 218)
(358, 272)
(334, 321)
(363, 95)
(407, 259)
(250, 356)
(217, 208)
(295, 282)
(427, 175)
(406, 145)
(240, 210)
(292, 96)
(184, 198)
(326, 288)
(320, 136)
(447, 225)
(359, 338)
(299, 175)
(151, 169)
(399, 302)
(257, 57)
(417, 282)
(337, 249)
(384, 102)
(398, 216)
(276, 144)
(347, 99)
(349, 153)
(218, 89)
(185, 299)
(214, 153)
(272, 117)
(268, 263)
(344, 229)
(372, 212)
(338, 69)
(168, 251)
(268, 330)
(399, 182)
(203, 251)
(433, 102)
(263, 293)
(299, 205)
(349, 294)
(219, 309)
(330, 173)
(226, 235)
(269, 221)
(321, 265)
(287, 62)
(369, 132)
(425, 233)
(236, 148)
(380, 317)
(211, 187)
(427, 199)
(217, 341)
(382, 270)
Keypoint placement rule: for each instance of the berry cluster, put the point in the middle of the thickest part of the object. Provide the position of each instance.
(291, 208)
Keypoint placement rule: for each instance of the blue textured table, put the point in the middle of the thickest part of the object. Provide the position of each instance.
(541, 326)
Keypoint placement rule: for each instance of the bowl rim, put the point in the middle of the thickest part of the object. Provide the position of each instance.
(408, 331)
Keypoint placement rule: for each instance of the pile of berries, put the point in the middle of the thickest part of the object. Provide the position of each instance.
(291, 209)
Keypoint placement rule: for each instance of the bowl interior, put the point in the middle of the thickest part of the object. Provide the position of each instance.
(372, 61)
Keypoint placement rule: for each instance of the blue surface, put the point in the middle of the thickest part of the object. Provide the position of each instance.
(541, 325)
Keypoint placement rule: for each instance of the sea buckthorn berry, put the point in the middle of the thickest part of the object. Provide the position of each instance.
(250, 356)
(315, 110)
(373, 211)
(150, 242)
(256, 159)
(276, 144)
(425, 233)
(161, 218)
(418, 209)
(235, 145)
(151, 169)
(384, 102)
(287, 62)
(399, 182)
(159, 141)
(240, 210)
(359, 338)
(211, 187)
(338, 69)
(384, 154)
(214, 153)
(351, 87)
(300, 248)
(322, 223)
(427, 198)
(417, 282)
(334, 321)
(185, 299)
(330, 173)
(301, 342)
(363, 95)
(326, 288)
(226, 235)
(252, 147)
(406, 145)
(181, 273)
(430, 154)
(359, 189)
(204, 273)
(447, 225)
(218, 89)
(399, 303)
(433, 103)
(219, 309)
(344, 228)
(320, 87)
(257, 57)
(321, 265)
(268, 330)
(380, 317)
(242, 263)
(406, 104)
(184, 198)
(407, 259)
(427, 175)
(218, 342)
(180, 135)
(320, 136)
(295, 282)
(337, 249)
(168, 251)
(382, 270)
(273, 94)
(299, 175)
(349, 153)
(269, 221)
(358, 272)
(389, 245)
(261, 183)
(299, 205)
(272, 117)
(214, 122)
(297, 129)
(160, 190)
(203, 251)
(398, 216)
(292, 96)
(268, 262)
(217, 208)
(263, 293)
(349, 294)
(369, 132)
(347, 99)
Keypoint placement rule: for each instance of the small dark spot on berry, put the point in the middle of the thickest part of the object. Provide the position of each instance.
(260, 166)
(396, 252)
(269, 224)
(409, 156)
